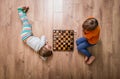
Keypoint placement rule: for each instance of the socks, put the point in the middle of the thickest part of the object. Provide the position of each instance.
(27, 28)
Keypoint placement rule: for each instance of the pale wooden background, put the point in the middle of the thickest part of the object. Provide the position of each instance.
(17, 61)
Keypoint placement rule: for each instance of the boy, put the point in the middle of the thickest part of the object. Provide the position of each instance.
(91, 31)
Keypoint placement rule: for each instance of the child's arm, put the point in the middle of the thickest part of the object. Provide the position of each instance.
(87, 34)
(92, 36)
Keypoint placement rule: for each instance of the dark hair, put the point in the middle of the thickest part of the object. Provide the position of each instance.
(90, 24)
(45, 52)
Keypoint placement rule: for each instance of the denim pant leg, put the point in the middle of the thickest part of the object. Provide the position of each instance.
(80, 40)
(82, 47)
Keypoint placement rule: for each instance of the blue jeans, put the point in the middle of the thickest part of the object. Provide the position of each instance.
(82, 45)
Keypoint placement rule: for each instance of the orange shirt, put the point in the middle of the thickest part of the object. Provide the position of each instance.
(92, 36)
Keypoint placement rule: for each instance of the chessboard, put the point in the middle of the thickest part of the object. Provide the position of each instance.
(63, 40)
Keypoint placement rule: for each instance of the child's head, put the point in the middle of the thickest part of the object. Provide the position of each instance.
(45, 51)
(90, 24)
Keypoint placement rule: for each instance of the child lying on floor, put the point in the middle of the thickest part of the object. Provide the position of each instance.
(39, 45)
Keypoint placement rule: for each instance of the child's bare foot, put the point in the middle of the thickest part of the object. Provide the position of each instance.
(91, 59)
(25, 8)
(86, 58)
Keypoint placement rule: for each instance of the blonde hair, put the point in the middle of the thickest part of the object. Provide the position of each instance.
(90, 24)
(44, 52)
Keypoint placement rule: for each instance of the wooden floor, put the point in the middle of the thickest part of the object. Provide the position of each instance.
(17, 61)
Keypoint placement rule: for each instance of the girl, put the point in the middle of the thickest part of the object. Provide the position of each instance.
(91, 31)
(39, 45)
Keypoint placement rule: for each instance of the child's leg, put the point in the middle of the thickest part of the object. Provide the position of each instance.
(80, 40)
(82, 47)
(27, 28)
(85, 52)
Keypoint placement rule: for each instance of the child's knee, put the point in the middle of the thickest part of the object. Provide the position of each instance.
(77, 42)
(79, 48)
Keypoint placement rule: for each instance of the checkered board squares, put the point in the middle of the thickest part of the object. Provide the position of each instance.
(63, 40)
